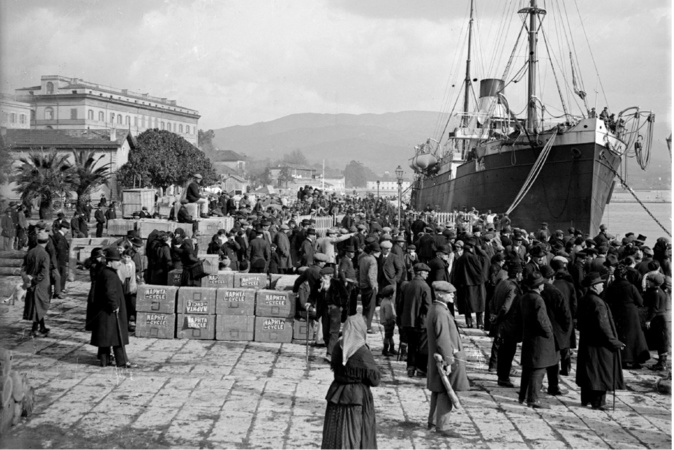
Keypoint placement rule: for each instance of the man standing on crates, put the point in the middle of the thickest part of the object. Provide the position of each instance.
(193, 195)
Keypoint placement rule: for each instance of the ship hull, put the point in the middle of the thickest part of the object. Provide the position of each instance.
(572, 189)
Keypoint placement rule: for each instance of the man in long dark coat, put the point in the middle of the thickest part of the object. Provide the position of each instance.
(560, 319)
(599, 365)
(109, 322)
(506, 324)
(469, 279)
(416, 302)
(444, 339)
(259, 253)
(99, 216)
(62, 252)
(36, 268)
(564, 283)
(538, 341)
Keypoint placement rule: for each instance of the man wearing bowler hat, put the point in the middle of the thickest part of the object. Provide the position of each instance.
(538, 342)
(416, 299)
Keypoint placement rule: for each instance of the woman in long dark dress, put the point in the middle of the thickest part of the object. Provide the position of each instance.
(349, 418)
(624, 300)
(94, 263)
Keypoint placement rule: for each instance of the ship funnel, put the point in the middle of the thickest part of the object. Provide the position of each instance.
(491, 87)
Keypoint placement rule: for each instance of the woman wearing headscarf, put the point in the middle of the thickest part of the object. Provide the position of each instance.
(624, 300)
(349, 418)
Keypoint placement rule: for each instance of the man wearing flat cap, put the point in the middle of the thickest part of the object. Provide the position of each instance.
(37, 274)
(193, 196)
(444, 339)
(416, 298)
(599, 367)
(538, 342)
(390, 267)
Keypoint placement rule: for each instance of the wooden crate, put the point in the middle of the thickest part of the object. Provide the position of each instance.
(211, 263)
(234, 328)
(195, 326)
(146, 226)
(155, 325)
(270, 329)
(210, 226)
(251, 280)
(235, 302)
(154, 298)
(134, 199)
(300, 331)
(275, 304)
(119, 227)
(219, 280)
(196, 300)
(283, 282)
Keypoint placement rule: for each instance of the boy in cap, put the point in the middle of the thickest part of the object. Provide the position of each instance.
(387, 314)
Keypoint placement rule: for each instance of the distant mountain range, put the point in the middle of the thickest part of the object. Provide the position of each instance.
(379, 141)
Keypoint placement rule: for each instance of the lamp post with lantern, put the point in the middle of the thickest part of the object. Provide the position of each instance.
(377, 189)
(399, 176)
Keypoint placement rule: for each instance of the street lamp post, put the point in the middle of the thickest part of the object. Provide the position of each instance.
(377, 189)
(399, 176)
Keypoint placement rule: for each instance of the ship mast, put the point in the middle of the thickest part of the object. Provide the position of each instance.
(532, 116)
(465, 120)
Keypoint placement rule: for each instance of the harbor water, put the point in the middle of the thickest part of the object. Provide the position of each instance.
(621, 218)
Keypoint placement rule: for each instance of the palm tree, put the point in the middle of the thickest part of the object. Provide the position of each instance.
(84, 177)
(42, 175)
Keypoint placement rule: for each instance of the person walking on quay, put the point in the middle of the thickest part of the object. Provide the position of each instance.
(36, 274)
(599, 363)
(94, 264)
(62, 252)
(109, 324)
(444, 339)
(416, 303)
(564, 283)
(350, 420)
(367, 282)
(538, 342)
(469, 278)
(331, 300)
(625, 301)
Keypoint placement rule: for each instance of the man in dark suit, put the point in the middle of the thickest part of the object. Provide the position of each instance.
(62, 252)
(416, 303)
(538, 341)
(391, 267)
(99, 216)
(259, 253)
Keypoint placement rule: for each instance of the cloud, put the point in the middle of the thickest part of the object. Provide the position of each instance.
(242, 62)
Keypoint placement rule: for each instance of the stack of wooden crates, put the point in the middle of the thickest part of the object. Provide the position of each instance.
(229, 306)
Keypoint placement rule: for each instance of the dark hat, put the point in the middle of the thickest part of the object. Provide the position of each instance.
(444, 249)
(477, 228)
(547, 272)
(387, 291)
(443, 286)
(581, 254)
(311, 232)
(112, 254)
(590, 251)
(64, 224)
(136, 241)
(60, 215)
(327, 271)
(611, 261)
(400, 238)
(514, 267)
(96, 253)
(602, 227)
(374, 247)
(42, 236)
(411, 247)
(306, 222)
(537, 252)
(179, 232)
(469, 242)
(602, 249)
(641, 238)
(320, 257)
(419, 267)
(591, 279)
(458, 244)
(349, 249)
(534, 279)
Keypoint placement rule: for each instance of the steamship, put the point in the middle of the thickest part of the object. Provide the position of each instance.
(537, 168)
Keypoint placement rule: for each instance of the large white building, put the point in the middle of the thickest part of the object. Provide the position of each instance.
(14, 114)
(387, 187)
(63, 103)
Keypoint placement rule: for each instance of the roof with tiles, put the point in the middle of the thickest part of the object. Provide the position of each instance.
(27, 139)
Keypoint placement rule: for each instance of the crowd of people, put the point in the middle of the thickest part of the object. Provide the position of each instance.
(529, 288)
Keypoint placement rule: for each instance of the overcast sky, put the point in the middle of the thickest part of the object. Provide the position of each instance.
(245, 61)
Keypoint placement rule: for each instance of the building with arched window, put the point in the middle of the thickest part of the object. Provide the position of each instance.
(63, 103)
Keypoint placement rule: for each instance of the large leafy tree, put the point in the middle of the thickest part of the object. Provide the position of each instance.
(296, 157)
(355, 174)
(161, 159)
(43, 175)
(284, 177)
(86, 175)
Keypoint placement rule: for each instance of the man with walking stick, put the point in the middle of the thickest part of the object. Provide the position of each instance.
(445, 342)
(599, 367)
(109, 323)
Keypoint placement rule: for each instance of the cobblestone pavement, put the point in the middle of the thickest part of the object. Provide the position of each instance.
(214, 394)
